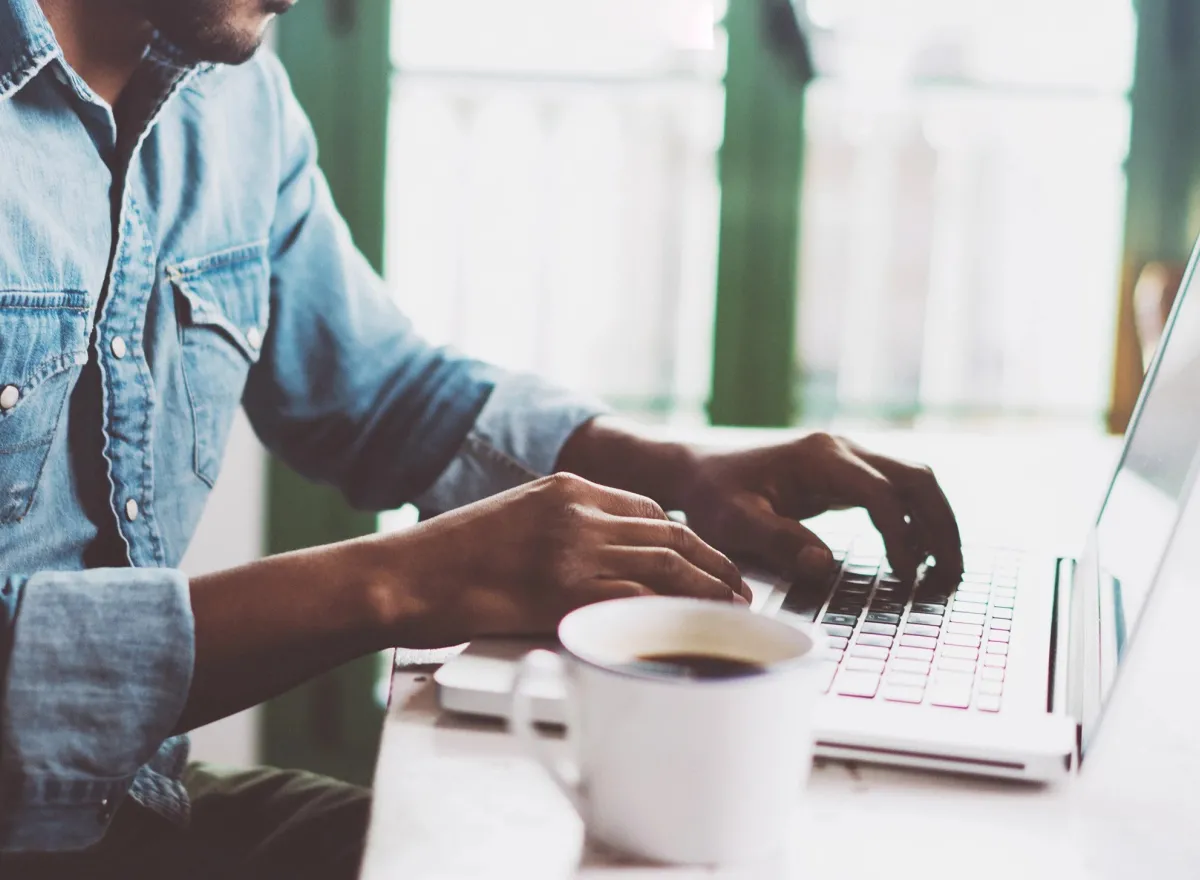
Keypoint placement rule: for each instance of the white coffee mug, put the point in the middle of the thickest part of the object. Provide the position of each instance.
(684, 770)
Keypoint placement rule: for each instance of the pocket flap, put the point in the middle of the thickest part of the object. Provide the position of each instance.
(41, 334)
(228, 292)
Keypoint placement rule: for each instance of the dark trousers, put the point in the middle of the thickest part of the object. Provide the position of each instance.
(246, 825)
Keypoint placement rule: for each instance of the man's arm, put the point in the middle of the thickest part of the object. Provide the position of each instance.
(347, 393)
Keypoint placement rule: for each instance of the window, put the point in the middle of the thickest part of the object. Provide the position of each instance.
(963, 207)
(552, 189)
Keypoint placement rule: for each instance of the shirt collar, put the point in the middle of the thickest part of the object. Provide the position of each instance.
(27, 44)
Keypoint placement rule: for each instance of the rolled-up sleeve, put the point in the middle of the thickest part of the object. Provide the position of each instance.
(348, 393)
(99, 667)
(517, 437)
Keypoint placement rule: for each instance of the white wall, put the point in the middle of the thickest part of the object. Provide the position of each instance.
(231, 532)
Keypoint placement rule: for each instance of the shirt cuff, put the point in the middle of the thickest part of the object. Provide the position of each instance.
(516, 438)
(98, 676)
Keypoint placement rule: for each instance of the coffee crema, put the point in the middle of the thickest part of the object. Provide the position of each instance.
(699, 667)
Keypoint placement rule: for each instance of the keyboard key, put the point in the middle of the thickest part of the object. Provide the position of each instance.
(970, 629)
(1001, 624)
(805, 599)
(970, 607)
(977, 576)
(1004, 591)
(921, 629)
(950, 664)
(904, 652)
(881, 617)
(877, 641)
(837, 643)
(847, 605)
(1008, 581)
(838, 631)
(991, 688)
(911, 679)
(962, 639)
(918, 642)
(828, 671)
(991, 673)
(995, 660)
(1002, 613)
(879, 629)
(928, 608)
(868, 651)
(862, 566)
(917, 667)
(964, 617)
(953, 696)
(972, 593)
(987, 703)
(997, 648)
(888, 607)
(929, 619)
(1003, 602)
(855, 585)
(864, 664)
(999, 635)
(959, 652)
(899, 693)
(840, 619)
(856, 684)
(834, 654)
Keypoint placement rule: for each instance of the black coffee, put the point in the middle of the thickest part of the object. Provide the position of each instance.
(693, 666)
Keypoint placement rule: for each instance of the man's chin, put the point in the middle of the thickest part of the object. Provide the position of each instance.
(231, 40)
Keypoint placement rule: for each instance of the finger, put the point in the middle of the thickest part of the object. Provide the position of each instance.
(928, 503)
(675, 536)
(666, 572)
(784, 545)
(618, 502)
(871, 490)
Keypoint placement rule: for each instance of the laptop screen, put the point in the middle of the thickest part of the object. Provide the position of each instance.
(1139, 514)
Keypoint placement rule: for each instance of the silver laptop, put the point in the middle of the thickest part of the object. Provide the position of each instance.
(1004, 674)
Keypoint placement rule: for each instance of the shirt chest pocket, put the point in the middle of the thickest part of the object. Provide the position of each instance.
(43, 343)
(222, 303)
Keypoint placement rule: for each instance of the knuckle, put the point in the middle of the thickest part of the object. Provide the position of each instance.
(678, 536)
(564, 485)
(667, 563)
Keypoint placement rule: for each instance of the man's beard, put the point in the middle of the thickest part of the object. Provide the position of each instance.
(208, 30)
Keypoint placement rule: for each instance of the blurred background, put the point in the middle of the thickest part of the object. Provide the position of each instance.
(950, 214)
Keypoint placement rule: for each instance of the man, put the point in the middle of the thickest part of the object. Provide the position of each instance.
(168, 250)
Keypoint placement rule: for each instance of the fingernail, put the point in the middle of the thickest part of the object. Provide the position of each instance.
(739, 599)
(814, 561)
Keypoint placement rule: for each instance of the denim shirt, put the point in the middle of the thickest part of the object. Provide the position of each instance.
(160, 266)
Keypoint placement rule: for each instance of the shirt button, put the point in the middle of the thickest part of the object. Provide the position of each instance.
(118, 348)
(254, 338)
(105, 812)
(9, 396)
(131, 509)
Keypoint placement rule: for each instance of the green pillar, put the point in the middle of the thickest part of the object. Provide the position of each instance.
(336, 53)
(754, 345)
(1162, 215)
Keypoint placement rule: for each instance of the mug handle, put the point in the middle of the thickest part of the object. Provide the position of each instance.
(543, 665)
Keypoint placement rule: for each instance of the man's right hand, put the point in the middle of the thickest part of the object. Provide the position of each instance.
(518, 562)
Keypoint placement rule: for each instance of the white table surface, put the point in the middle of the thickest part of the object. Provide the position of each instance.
(457, 798)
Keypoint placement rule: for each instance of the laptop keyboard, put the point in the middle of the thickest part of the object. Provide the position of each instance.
(926, 642)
